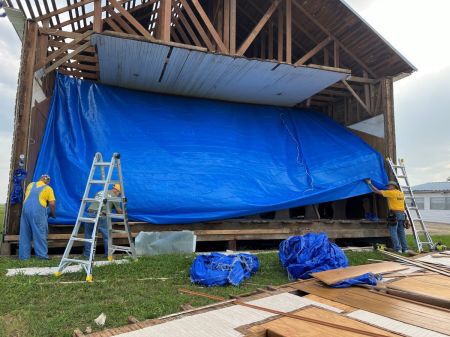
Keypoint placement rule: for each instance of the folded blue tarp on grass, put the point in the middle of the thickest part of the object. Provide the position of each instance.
(218, 269)
(188, 160)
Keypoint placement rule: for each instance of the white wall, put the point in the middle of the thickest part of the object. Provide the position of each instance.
(433, 215)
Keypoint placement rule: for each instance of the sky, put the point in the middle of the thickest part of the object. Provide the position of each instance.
(416, 28)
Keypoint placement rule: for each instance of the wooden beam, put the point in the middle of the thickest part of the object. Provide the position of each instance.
(313, 51)
(98, 23)
(197, 25)
(387, 89)
(81, 66)
(365, 80)
(90, 76)
(186, 25)
(327, 32)
(354, 94)
(210, 26)
(270, 41)
(288, 31)
(64, 59)
(233, 14)
(41, 51)
(280, 34)
(124, 26)
(22, 118)
(251, 37)
(131, 20)
(58, 32)
(165, 18)
(68, 46)
(226, 23)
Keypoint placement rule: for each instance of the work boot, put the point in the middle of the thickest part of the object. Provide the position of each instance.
(410, 252)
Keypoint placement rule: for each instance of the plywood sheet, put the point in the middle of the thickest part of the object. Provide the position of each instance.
(443, 261)
(336, 275)
(291, 327)
(433, 286)
(411, 313)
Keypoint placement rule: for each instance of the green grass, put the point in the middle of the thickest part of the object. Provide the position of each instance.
(44, 306)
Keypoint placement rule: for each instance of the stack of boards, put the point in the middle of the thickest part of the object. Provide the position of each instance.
(411, 302)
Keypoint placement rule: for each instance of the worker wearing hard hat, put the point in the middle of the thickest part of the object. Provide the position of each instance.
(102, 224)
(33, 220)
(396, 219)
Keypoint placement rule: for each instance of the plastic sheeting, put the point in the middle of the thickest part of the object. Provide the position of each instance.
(188, 160)
(310, 253)
(155, 243)
(218, 269)
(16, 196)
(368, 278)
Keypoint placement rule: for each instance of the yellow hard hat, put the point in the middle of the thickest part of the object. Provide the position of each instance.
(117, 187)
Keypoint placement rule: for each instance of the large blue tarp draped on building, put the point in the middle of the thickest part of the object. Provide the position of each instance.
(188, 160)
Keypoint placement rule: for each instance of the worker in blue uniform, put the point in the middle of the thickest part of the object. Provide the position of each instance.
(33, 221)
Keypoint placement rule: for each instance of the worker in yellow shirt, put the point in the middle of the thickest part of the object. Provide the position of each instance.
(33, 221)
(396, 204)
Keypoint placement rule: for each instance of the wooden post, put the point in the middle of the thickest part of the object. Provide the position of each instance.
(165, 14)
(270, 42)
(232, 26)
(367, 92)
(22, 118)
(288, 31)
(226, 23)
(336, 55)
(280, 34)
(98, 23)
(387, 87)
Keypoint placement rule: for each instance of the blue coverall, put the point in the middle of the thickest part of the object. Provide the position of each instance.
(33, 226)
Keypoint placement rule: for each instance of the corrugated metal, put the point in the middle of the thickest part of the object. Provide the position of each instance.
(435, 186)
(17, 19)
(142, 65)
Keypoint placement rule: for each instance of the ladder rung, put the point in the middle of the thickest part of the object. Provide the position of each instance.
(119, 231)
(96, 181)
(116, 216)
(121, 248)
(75, 261)
(402, 177)
(118, 199)
(102, 163)
(75, 238)
(91, 220)
(91, 200)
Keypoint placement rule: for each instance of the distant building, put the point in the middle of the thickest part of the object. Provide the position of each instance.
(433, 200)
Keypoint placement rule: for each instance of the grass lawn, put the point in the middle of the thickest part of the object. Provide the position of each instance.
(44, 306)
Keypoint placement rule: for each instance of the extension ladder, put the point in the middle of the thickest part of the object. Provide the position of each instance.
(399, 172)
(104, 203)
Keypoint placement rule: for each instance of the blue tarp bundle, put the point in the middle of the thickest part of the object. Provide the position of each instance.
(189, 160)
(368, 278)
(217, 269)
(16, 196)
(310, 253)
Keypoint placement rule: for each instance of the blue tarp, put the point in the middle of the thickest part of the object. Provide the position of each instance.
(368, 278)
(218, 269)
(16, 196)
(310, 253)
(189, 160)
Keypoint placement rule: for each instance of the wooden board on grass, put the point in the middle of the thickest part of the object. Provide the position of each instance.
(337, 275)
(432, 286)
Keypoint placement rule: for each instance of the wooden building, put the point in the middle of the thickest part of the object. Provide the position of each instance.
(320, 53)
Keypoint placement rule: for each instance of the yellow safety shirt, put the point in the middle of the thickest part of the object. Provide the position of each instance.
(395, 199)
(45, 196)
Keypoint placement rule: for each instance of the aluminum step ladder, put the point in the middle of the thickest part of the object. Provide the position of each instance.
(420, 232)
(104, 203)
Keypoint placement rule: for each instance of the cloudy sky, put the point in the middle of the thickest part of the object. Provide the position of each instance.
(416, 28)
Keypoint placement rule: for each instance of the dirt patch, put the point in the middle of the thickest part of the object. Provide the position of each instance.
(438, 228)
(13, 326)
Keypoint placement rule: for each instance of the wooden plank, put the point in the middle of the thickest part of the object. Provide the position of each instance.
(41, 51)
(343, 307)
(131, 20)
(68, 46)
(22, 118)
(233, 26)
(58, 32)
(66, 58)
(187, 25)
(289, 31)
(63, 9)
(81, 66)
(113, 25)
(336, 275)
(288, 326)
(197, 25)
(90, 76)
(336, 54)
(427, 317)
(270, 41)
(313, 51)
(210, 26)
(354, 94)
(98, 22)
(251, 37)
(165, 18)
